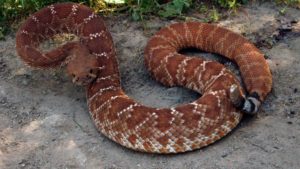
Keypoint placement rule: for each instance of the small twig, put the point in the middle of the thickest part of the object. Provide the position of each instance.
(258, 146)
(114, 9)
(74, 119)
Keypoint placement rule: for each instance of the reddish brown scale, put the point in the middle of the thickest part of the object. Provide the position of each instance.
(82, 13)
(167, 130)
(44, 16)
(102, 84)
(63, 11)
(170, 66)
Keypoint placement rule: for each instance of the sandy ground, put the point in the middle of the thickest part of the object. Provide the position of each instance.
(44, 120)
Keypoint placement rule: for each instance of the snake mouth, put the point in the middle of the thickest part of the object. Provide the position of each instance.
(85, 79)
(82, 82)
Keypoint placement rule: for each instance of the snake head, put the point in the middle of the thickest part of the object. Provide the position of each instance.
(82, 67)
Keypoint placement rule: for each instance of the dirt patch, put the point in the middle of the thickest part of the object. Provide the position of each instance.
(44, 120)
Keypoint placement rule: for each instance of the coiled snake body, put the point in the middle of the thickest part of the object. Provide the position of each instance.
(92, 62)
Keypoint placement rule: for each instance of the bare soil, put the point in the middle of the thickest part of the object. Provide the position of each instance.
(44, 119)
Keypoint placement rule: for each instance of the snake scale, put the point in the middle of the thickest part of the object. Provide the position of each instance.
(91, 61)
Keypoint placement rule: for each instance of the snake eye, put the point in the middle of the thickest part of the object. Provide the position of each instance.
(92, 73)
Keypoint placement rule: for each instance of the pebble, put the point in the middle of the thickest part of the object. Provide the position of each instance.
(3, 101)
(224, 154)
(22, 163)
(22, 71)
(25, 82)
(292, 112)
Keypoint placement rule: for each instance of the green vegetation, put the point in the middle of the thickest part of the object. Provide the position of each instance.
(12, 11)
(15, 10)
(231, 4)
(141, 8)
(286, 3)
(295, 3)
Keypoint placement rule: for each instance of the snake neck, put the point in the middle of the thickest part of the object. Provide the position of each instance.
(81, 65)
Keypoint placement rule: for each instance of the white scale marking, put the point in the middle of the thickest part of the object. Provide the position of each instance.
(104, 78)
(212, 80)
(129, 108)
(52, 9)
(198, 34)
(103, 54)
(170, 146)
(198, 106)
(221, 41)
(181, 70)
(188, 34)
(163, 64)
(96, 35)
(157, 48)
(169, 40)
(90, 18)
(178, 39)
(74, 9)
(101, 91)
(200, 81)
(35, 19)
(25, 32)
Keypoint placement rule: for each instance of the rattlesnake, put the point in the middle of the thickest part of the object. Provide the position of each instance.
(92, 62)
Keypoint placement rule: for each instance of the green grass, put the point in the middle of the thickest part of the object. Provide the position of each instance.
(140, 9)
(13, 11)
(295, 3)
